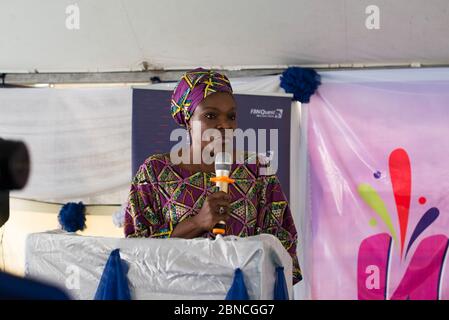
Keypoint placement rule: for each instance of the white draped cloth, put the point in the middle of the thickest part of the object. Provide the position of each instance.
(159, 268)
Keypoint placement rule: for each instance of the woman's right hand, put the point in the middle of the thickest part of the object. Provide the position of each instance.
(209, 214)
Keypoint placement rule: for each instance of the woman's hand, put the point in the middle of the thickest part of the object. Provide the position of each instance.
(209, 214)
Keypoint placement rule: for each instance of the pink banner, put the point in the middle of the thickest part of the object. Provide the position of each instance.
(379, 190)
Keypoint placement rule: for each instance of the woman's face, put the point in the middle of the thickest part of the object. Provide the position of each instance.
(216, 111)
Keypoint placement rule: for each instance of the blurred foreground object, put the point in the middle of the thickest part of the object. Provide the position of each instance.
(14, 172)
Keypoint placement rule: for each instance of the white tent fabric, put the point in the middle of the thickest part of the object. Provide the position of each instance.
(79, 141)
(118, 35)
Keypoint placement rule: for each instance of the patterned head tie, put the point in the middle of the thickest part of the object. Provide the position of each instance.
(193, 88)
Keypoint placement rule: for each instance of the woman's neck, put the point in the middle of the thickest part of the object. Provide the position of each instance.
(195, 164)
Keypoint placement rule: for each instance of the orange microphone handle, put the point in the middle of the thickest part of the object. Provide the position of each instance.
(222, 179)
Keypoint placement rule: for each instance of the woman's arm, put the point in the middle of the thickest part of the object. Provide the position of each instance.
(143, 216)
(188, 229)
(276, 218)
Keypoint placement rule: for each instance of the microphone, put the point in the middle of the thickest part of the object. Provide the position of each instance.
(223, 162)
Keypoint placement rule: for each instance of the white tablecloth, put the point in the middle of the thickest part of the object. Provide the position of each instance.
(159, 268)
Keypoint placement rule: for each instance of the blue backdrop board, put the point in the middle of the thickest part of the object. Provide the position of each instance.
(152, 125)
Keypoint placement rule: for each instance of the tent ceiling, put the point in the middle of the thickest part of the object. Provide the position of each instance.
(119, 35)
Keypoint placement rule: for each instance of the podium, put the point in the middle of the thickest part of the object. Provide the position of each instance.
(195, 269)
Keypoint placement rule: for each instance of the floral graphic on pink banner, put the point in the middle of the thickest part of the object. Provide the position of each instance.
(423, 276)
(379, 190)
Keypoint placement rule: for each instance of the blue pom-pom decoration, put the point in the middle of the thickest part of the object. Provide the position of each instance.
(72, 217)
(302, 82)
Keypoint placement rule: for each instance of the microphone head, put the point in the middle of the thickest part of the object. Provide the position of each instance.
(223, 161)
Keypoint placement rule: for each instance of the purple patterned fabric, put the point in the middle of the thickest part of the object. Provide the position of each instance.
(163, 194)
(193, 87)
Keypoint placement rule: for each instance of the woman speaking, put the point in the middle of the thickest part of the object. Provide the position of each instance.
(171, 199)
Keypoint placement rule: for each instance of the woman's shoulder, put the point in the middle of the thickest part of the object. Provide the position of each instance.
(259, 164)
(162, 158)
(151, 167)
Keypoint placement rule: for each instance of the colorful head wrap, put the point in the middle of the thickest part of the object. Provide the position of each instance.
(193, 88)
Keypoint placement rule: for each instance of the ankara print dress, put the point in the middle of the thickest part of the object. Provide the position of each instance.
(163, 194)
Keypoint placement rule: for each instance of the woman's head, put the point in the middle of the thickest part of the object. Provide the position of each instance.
(203, 100)
(192, 89)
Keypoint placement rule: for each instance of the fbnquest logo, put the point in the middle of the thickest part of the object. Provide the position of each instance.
(422, 278)
(263, 113)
